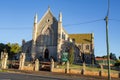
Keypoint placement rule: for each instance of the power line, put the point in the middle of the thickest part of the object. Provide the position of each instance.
(16, 28)
(66, 25)
(87, 22)
(29, 28)
(117, 20)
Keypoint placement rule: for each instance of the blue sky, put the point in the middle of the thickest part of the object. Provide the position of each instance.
(16, 20)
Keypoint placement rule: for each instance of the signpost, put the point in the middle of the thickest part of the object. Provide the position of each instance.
(64, 57)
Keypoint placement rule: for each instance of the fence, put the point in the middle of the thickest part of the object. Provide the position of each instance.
(21, 64)
(14, 64)
(85, 69)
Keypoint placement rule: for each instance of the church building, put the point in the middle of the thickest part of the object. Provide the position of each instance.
(50, 40)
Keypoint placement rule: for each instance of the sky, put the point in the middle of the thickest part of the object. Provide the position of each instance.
(79, 16)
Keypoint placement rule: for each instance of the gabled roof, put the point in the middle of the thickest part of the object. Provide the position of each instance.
(47, 12)
(81, 38)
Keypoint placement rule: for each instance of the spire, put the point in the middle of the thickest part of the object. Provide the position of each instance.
(35, 18)
(60, 17)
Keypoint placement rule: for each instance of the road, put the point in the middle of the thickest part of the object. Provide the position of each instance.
(44, 76)
(25, 76)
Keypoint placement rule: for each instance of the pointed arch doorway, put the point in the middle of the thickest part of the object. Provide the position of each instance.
(46, 54)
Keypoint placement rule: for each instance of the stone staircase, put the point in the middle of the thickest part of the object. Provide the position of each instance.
(45, 66)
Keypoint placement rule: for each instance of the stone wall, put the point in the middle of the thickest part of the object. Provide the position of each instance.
(31, 66)
(90, 73)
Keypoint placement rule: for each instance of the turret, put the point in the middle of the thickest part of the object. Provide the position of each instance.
(60, 17)
(23, 42)
(92, 49)
(33, 51)
(35, 28)
(59, 35)
(92, 37)
(60, 26)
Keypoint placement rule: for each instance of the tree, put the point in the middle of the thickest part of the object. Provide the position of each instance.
(7, 47)
(2, 47)
(15, 48)
(71, 55)
(105, 56)
(11, 49)
(117, 63)
(113, 56)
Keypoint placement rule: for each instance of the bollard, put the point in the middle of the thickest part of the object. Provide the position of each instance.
(83, 70)
(4, 60)
(22, 61)
(67, 69)
(119, 74)
(100, 73)
(37, 65)
(52, 65)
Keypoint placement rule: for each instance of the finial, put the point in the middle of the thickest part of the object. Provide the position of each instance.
(92, 35)
(35, 18)
(60, 17)
(48, 7)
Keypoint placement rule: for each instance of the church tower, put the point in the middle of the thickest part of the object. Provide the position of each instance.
(34, 36)
(59, 35)
(92, 43)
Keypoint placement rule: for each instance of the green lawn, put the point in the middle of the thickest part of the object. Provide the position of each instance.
(88, 68)
(3, 70)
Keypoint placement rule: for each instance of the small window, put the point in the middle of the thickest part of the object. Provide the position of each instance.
(63, 36)
(73, 39)
(87, 47)
(48, 20)
(58, 35)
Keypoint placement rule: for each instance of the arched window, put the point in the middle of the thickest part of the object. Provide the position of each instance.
(48, 37)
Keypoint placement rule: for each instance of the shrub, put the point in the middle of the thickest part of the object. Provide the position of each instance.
(71, 55)
(117, 63)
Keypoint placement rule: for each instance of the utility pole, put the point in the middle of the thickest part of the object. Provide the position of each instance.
(107, 42)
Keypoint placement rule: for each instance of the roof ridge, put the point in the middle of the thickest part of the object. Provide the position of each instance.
(80, 33)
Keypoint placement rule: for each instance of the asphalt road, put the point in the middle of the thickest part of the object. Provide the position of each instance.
(25, 76)
(44, 76)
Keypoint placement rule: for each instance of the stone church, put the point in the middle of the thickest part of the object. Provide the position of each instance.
(50, 39)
